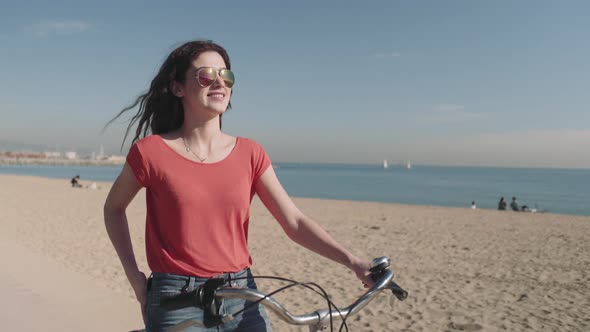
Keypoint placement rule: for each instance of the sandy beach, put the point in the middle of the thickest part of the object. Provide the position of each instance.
(466, 270)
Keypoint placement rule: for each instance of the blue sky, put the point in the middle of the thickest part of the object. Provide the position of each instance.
(498, 83)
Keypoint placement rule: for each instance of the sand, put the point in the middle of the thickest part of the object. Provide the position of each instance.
(466, 270)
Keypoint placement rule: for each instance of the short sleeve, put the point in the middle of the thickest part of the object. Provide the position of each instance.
(261, 162)
(138, 165)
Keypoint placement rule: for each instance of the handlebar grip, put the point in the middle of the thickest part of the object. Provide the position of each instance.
(399, 292)
(181, 300)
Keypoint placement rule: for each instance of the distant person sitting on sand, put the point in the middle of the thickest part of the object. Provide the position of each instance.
(502, 204)
(473, 206)
(76, 182)
(514, 204)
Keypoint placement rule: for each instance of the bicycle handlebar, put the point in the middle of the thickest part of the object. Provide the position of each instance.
(317, 316)
(211, 293)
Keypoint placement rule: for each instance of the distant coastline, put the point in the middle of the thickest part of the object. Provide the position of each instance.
(55, 158)
(59, 161)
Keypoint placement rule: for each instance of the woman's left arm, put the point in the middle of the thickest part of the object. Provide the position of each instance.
(304, 230)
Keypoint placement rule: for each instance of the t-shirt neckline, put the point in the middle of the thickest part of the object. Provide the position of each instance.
(198, 162)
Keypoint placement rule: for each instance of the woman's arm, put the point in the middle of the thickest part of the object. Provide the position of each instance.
(122, 193)
(302, 229)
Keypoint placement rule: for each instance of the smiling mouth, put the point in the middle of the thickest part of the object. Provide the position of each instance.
(216, 95)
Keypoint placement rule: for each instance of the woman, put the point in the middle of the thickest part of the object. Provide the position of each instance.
(199, 185)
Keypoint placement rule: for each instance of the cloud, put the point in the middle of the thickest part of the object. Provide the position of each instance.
(449, 113)
(564, 147)
(546, 140)
(388, 55)
(448, 108)
(46, 28)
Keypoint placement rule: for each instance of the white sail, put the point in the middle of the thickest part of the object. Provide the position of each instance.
(385, 163)
(409, 165)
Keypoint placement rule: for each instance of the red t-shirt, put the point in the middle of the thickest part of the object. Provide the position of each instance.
(197, 213)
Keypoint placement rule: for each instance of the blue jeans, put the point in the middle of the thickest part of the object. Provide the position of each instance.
(253, 319)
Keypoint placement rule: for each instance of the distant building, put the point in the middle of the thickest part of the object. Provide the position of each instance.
(117, 158)
(71, 155)
(52, 154)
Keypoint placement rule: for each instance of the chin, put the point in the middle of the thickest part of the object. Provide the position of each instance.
(219, 109)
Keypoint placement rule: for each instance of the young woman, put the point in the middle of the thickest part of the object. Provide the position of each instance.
(199, 185)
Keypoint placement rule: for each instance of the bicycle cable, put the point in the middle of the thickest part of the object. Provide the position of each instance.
(294, 283)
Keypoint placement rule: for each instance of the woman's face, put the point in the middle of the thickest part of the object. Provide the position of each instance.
(213, 98)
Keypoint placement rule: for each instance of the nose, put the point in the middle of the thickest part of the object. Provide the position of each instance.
(218, 81)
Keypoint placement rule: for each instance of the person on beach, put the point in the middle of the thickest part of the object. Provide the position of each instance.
(199, 184)
(473, 206)
(502, 204)
(75, 181)
(514, 206)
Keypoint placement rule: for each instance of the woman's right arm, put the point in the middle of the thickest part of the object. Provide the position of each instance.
(122, 193)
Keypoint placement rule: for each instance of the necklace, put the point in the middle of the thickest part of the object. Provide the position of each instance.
(188, 149)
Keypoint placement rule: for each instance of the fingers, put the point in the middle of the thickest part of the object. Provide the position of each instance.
(361, 269)
(139, 285)
(144, 313)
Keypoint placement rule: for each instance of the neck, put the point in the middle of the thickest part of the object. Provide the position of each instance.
(201, 141)
(203, 133)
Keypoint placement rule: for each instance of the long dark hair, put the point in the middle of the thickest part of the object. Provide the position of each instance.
(160, 111)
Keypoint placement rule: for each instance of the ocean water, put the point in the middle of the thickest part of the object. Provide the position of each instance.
(565, 191)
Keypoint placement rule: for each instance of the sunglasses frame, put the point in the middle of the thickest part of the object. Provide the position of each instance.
(217, 76)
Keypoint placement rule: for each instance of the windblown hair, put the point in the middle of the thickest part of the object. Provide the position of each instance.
(160, 111)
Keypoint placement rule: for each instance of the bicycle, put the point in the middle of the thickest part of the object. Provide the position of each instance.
(210, 295)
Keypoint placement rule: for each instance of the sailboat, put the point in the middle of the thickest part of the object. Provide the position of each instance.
(385, 164)
(409, 165)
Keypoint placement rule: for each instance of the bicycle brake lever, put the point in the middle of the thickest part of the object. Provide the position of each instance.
(378, 267)
(379, 264)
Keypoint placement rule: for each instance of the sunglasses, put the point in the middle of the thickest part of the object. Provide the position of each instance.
(206, 76)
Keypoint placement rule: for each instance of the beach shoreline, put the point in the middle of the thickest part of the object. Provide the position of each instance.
(554, 191)
(465, 269)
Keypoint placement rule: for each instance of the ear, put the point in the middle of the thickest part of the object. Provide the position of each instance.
(177, 89)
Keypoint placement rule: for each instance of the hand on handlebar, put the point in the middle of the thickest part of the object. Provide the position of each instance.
(361, 269)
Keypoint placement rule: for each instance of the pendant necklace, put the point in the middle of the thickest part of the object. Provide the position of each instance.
(188, 149)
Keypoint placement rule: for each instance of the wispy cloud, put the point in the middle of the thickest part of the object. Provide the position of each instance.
(45, 28)
(445, 108)
(449, 113)
(388, 55)
(563, 147)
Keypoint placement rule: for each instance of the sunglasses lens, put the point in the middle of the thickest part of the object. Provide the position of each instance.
(228, 77)
(206, 76)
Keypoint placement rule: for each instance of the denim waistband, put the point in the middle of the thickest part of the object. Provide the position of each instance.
(196, 279)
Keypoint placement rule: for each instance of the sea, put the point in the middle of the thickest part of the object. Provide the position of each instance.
(563, 191)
